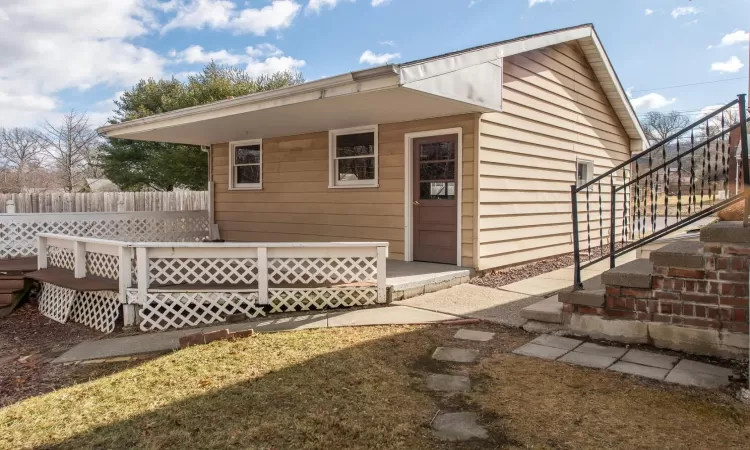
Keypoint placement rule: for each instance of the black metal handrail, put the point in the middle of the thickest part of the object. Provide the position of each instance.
(641, 194)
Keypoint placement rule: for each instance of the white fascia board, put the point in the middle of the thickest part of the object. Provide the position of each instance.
(385, 77)
(620, 92)
(547, 40)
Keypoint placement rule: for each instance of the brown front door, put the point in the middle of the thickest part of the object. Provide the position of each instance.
(434, 194)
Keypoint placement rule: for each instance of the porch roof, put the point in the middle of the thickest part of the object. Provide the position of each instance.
(461, 82)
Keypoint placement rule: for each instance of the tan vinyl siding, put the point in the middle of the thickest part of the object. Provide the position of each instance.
(554, 111)
(296, 203)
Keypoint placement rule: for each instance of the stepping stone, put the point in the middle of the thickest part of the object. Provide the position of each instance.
(461, 426)
(694, 373)
(560, 342)
(587, 360)
(650, 359)
(448, 383)
(639, 370)
(540, 351)
(457, 355)
(473, 335)
(590, 348)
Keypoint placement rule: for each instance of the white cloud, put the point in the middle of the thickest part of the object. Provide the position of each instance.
(738, 37)
(261, 59)
(732, 65)
(629, 91)
(536, 2)
(380, 2)
(708, 110)
(651, 101)
(473, 2)
(274, 64)
(684, 11)
(223, 14)
(649, 11)
(388, 43)
(373, 59)
(317, 5)
(692, 22)
(49, 46)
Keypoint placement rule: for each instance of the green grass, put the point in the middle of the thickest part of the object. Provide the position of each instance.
(363, 388)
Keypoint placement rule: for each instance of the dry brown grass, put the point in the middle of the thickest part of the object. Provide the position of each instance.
(363, 388)
(553, 404)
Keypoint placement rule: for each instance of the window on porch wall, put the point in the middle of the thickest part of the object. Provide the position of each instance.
(246, 162)
(354, 157)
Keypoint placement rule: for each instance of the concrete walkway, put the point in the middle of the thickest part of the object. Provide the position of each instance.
(169, 340)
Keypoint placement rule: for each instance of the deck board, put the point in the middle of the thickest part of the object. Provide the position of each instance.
(18, 265)
(65, 278)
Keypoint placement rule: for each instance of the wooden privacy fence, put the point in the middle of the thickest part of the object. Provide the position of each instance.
(58, 202)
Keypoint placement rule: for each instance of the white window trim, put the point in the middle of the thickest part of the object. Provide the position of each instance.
(589, 176)
(333, 183)
(234, 186)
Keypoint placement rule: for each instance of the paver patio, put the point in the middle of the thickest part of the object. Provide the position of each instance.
(641, 363)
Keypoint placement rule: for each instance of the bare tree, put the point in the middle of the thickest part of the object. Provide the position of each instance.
(659, 126)
(69, 147)
(19, 150)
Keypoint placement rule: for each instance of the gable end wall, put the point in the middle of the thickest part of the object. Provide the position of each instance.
(554, 111)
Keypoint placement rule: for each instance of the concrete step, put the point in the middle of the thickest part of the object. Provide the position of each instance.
(645, 251)
(585, 297)
(685, 254)
(635, 274)
(726, 233)
(548, 310)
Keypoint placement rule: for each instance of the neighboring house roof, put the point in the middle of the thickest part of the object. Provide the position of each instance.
(452, 83)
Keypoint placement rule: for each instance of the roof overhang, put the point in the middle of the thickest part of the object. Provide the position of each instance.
(374, 96)
(456, 83)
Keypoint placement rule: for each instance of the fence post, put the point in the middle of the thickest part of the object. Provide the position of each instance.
(41, 252)
(576, 250)
(79, 253)
(745, 165)
(612, 218)
(262, 275)
(10, 206)
(381, 268)
(124, 255)
(141, 265)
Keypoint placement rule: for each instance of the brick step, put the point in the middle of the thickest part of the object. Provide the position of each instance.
(634, 274)
(685, 254)
(585, 297)
(726, 233)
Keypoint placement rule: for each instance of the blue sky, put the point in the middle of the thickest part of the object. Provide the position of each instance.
(81, 53)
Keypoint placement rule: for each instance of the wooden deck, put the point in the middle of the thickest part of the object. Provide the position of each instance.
(65, 278)
(13, 283)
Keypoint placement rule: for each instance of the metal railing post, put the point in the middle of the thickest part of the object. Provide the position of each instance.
(612, 218)
(576, 245)
(745, 166)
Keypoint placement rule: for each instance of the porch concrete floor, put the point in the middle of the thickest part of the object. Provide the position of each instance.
(401, 275)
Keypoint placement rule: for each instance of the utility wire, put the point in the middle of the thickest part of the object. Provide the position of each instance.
(688, 85)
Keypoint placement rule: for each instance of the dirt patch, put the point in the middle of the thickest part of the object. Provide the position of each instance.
(28, 342)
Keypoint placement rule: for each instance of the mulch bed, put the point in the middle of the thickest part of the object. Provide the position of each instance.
(501, 277)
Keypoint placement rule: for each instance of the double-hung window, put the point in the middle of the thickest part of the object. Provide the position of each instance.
(353, 157)
(245, 164)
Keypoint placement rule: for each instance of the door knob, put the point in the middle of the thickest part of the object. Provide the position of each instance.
(416, 203)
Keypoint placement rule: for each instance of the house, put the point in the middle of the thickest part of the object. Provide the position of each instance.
(465, 158)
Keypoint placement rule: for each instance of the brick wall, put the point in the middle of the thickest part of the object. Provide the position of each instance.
(715, 296)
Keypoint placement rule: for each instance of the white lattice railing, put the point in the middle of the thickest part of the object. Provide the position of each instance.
(18, 232)
(166, 285)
